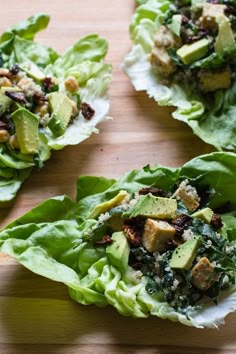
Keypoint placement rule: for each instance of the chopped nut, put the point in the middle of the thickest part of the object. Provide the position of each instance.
(29, 87)
(74, 109)
(5, 82)
(71, 84)
(42, 109)
(202, 274)
(156, 234)
(4, 136)
(13, 142)
(5, 72)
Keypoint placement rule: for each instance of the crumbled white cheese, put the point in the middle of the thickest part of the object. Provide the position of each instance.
(229, 249)
(103, 217)
(136, 276)
(187, 235)
(209, 244)
(175, 285)
(191, 191)
(133, 201)
(30, 88)
(157, 279)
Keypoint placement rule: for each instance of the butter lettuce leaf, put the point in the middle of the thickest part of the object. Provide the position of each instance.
(53, 240)
(213, 120)
(25, 29)
(10, 182)
(85, 60)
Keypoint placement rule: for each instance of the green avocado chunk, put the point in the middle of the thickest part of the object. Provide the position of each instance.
(183, 255)
(106, 206)
(118, 251)
(225, 38)
(61, 107)
(155, 207)
(5, 103)
(189, 53)
(204, 214)
(33, 71)
(26, 126)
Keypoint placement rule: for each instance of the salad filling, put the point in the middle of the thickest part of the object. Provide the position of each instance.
(47, 100)
(177, 245)
(183, 55)
(197, 40)
(158, 241)
(31, 101)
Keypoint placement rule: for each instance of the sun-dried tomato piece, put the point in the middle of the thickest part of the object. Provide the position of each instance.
(154, 191)
(216, 221)
(106, 240)
(17, 96)
(3, 125)
(133, 229)
(181, 220)
(86, 110)
(47, 84)
(178, 230)
(171, 245)
(137, 265)
(15, 69)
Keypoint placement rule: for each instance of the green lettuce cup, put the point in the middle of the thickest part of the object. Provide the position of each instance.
(159, 241)
(47, 100)
(183, 55)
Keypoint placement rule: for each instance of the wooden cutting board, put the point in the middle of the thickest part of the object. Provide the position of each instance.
(36, 315)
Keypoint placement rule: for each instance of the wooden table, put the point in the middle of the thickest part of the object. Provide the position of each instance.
(36, 315)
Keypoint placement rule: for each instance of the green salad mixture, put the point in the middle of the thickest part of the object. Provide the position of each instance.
(159, 241)
(47, 100)
(184, 55)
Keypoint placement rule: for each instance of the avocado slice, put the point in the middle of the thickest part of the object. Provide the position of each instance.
(204, 214)
(225, 38)
(61, 107)
(104, 207)
(175, 25)
(26, 126)
(155, 207)
(189, 53)
(5, 103)
(33, 71)
(118, 251)
(183, 255)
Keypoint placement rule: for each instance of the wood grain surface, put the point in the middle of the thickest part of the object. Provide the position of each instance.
(36, 315)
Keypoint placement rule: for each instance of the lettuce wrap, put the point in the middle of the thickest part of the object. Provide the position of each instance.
(47, 100)
(100, 249)
(200, 84)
